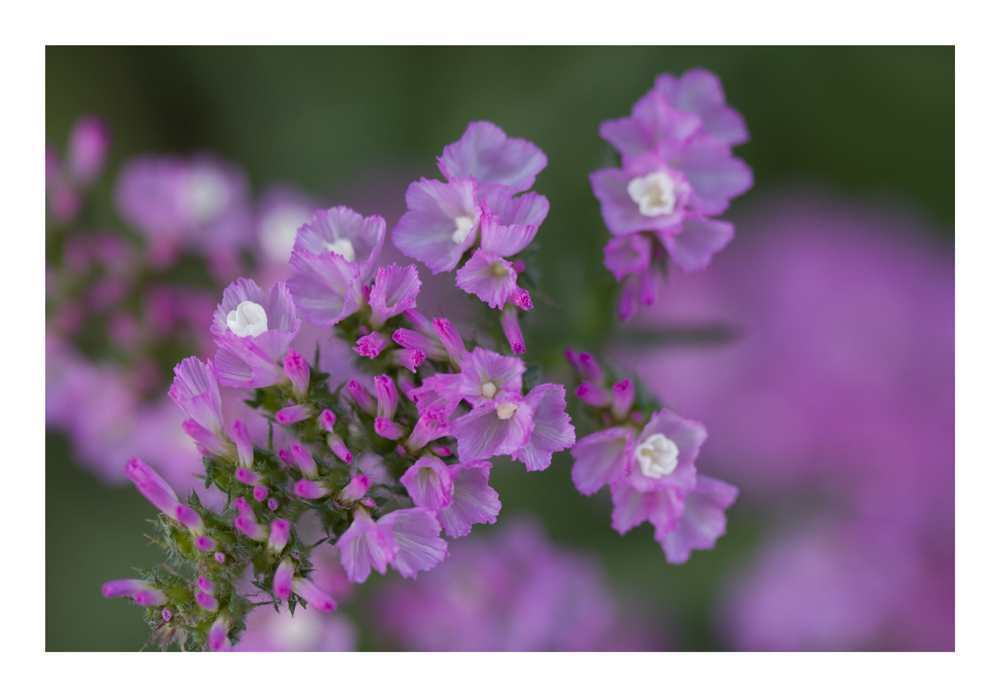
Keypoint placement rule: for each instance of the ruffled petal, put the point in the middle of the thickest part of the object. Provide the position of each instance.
(395, 291)
(486, 153)
(473, 499)
(552, 432)
(700, 92)
(627, 254)
(489, 277)
(602, 458)
(481, 433)
(364, 546)
(429, 230)
(703, 522)
(326, 288)
(346, 234)
(692, 248)
(417, 534)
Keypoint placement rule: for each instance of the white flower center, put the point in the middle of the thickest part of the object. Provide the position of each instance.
(342, 247)
(506, 410)
(248, 319)
(463, 226)
(655, 193)
(657, 456)
(488, 390)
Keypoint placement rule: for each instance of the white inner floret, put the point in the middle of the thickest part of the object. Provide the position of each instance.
(248, 319)
(488, 390)
(506, 410)
(206, 195)
(655, 193)
(463, 226)
(657, 456)
(342, 247)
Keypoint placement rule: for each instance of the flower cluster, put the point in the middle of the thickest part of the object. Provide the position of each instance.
(677, 173)
(476, 219)
(647, 457)
(387, 465)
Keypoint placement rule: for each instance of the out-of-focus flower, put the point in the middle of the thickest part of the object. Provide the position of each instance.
(306, 630)
(514, 591)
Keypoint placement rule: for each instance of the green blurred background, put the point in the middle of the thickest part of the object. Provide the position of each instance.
(870, 122)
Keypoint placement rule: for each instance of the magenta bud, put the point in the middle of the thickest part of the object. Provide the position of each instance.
(622, 398)
(361, 397)
(400, 450)
(280, 531)
(303, 460)
(260, 493)
(453, 343)
(244, 508)
(411, 359)
(585, 366)
(647, 288)
(357, 488)
(272, 504)
(283, 579)
(512, 328)
(218, 636)
(440, 450)
(315, 596)
(310, 490)
(593, 395)
(423, 325)
(518, 266)
(245, 476)
(152, 486)
(189, 518)
(125, 587)
(522, 299)
(637, 417)
(250, 528)
(326, 420)
(166, 615)
(220, 558)
(388, 399)
(372, 345)
(387, 428)
(297, 370)
(293, 414)
(205, 585)
(244, 444)
(336, 444)
(153, 597)
(368, 501)
(207, 602)
(205, 544)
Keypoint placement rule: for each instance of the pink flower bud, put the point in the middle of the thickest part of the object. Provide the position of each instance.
(372, 345)
(205, 585)
(302, 459)
(411, 359)
(220, 558)
(244, 476)
(152, 486)
(315, 596)
(250, 528)
(244, 445)
(260, 493)
(293, 414)
(189, 518)
(205, 544)
(326, 420)
(336, 444)
(356, 489)
(218, 636)
(125, 587)
(385, 391)
(283, 579)
(272, 504)
(280, 531)
(585, 366)
(244, 508)
(387, 428)
(297, 370)
(593, 395)
(512, 328)
(153, 597)
(206, 601)
(622, 397)
(522, 299)
(453, 343)
(310, 490)
(361, 397)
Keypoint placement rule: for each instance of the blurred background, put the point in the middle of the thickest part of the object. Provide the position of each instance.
(818, 348)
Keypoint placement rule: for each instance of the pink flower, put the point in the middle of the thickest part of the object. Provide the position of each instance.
(485, 153)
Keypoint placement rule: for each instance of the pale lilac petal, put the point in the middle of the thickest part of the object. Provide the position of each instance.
(440, 392)
(196, 391)
(490, 278)
(703, 522)
(240, 362)
(481, 433)
(241, 290)
(473, 499)
(418, 540)
(428, 230)
(395, 291)
(663, 508)
(653, 121)
(714, 174)
(341, 229)
(602, 458)
(316, 597)
(692, 248)
(326, 288)
(487, 154)
(700, 92)
(526, 209)
(503, 240)
(364, 546)
(151, 485)
(627, 254)
(552, 432)
(429, 483)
